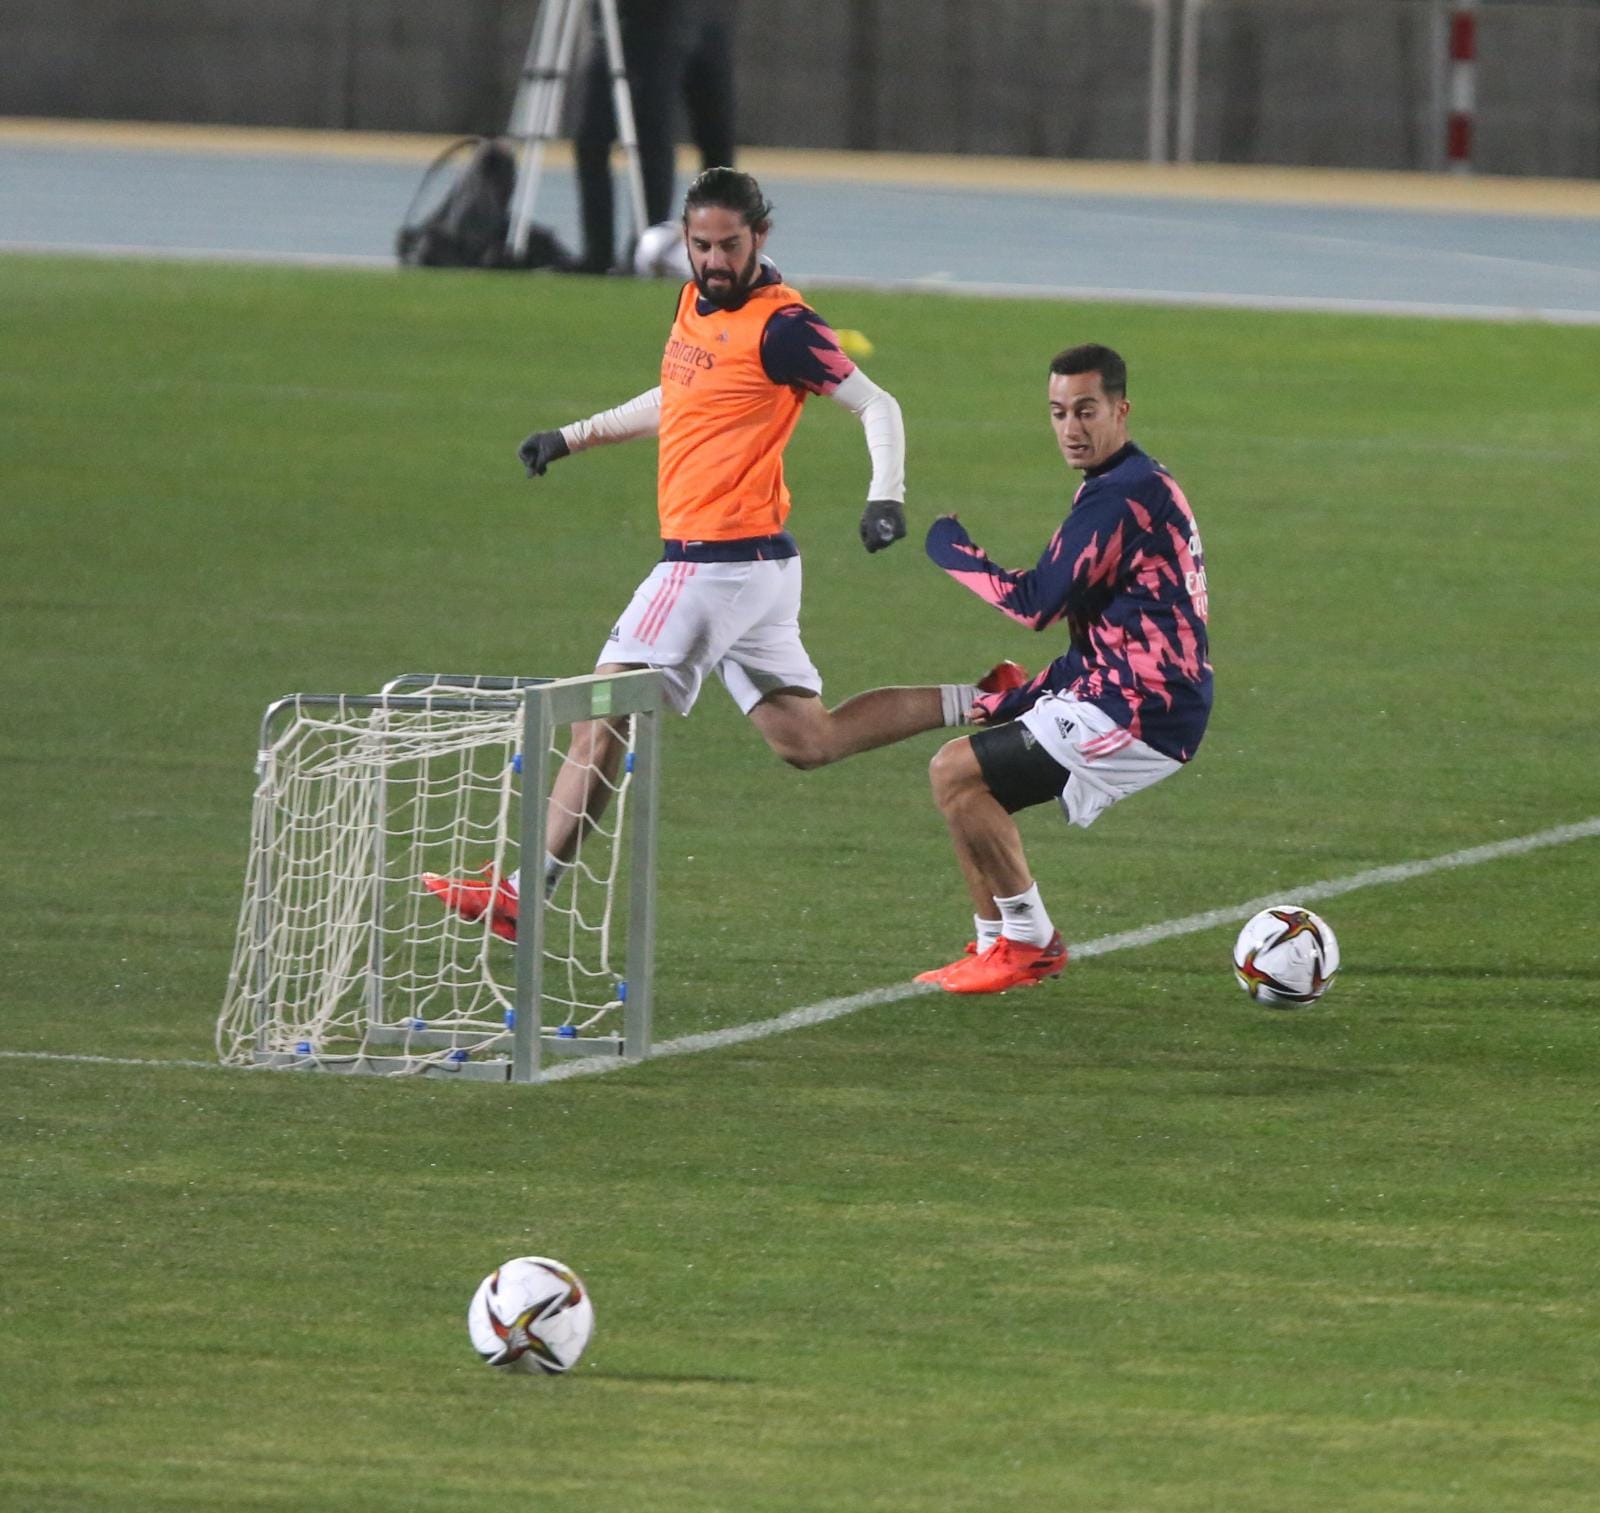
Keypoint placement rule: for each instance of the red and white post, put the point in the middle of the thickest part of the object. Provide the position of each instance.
(1463, 85)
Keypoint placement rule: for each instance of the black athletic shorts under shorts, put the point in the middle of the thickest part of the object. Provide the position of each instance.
(1019, 771)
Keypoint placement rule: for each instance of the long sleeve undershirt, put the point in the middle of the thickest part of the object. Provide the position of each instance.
(639, 416)
(874, 407)
(879, 414)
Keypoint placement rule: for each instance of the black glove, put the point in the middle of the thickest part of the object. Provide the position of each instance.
(883, 522)
(540, 450)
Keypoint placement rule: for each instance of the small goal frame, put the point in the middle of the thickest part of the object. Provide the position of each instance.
(519, 1052)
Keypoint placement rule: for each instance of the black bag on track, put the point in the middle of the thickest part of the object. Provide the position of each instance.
(468, 227)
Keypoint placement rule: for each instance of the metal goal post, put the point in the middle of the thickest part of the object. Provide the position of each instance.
(345, 961)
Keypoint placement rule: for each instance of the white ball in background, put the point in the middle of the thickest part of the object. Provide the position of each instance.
(660, 252)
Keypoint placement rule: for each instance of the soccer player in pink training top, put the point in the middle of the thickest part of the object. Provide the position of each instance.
(1121, 708)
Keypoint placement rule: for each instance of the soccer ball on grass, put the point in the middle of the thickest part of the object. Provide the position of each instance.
(1286, 956)
(531, 1314)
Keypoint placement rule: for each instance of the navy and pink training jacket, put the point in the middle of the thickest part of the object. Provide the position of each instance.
(1127, 574)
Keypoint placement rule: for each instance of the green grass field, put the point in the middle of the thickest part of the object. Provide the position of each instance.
(1126, 1242)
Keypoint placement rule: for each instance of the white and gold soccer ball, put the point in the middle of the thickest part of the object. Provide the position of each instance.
(660, 252)
(1286, 956)
(531, 1314)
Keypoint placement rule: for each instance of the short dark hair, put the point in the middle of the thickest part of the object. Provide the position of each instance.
(728, 189)
(1091, 357)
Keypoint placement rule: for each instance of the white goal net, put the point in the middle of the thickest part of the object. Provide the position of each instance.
(379, 932)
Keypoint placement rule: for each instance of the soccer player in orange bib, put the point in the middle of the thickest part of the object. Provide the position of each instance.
(744, 354)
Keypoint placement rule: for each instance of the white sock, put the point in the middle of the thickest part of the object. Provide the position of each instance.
(1025, 919)
(988, 932)
(955, 699)
(554, 870)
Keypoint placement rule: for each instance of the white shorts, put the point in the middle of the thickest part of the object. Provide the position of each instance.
(1107, 762)
(741, 618)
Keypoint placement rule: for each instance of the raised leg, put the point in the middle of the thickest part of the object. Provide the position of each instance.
(806, 735)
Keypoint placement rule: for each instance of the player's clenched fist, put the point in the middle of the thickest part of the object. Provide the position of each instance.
(540, 450)
(882, 524)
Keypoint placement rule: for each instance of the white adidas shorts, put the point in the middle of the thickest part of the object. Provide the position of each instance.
(740, 618)
(1106, 761)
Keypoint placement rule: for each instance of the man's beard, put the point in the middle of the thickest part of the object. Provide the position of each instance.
(729, 291)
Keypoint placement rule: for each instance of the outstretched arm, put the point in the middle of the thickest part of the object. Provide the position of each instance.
(1035, 597)
(639, 416)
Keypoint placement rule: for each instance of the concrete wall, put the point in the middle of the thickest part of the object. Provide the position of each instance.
(1016, 77)
(1322, 82)
(374, 64)
(1360, 83)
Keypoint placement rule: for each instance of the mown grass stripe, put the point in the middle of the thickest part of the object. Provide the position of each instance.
(1124, 940)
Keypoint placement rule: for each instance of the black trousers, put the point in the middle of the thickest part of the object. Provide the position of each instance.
(676, 51)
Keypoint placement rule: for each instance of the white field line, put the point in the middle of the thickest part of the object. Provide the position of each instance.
(1103, 945)
(936, 283)
(835, 1008)
(143, 251)
(1202, 299)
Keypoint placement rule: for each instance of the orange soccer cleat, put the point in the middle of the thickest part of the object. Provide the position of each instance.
(936, 974)
(1003, 677)
(470, 898)
(1006, 964)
